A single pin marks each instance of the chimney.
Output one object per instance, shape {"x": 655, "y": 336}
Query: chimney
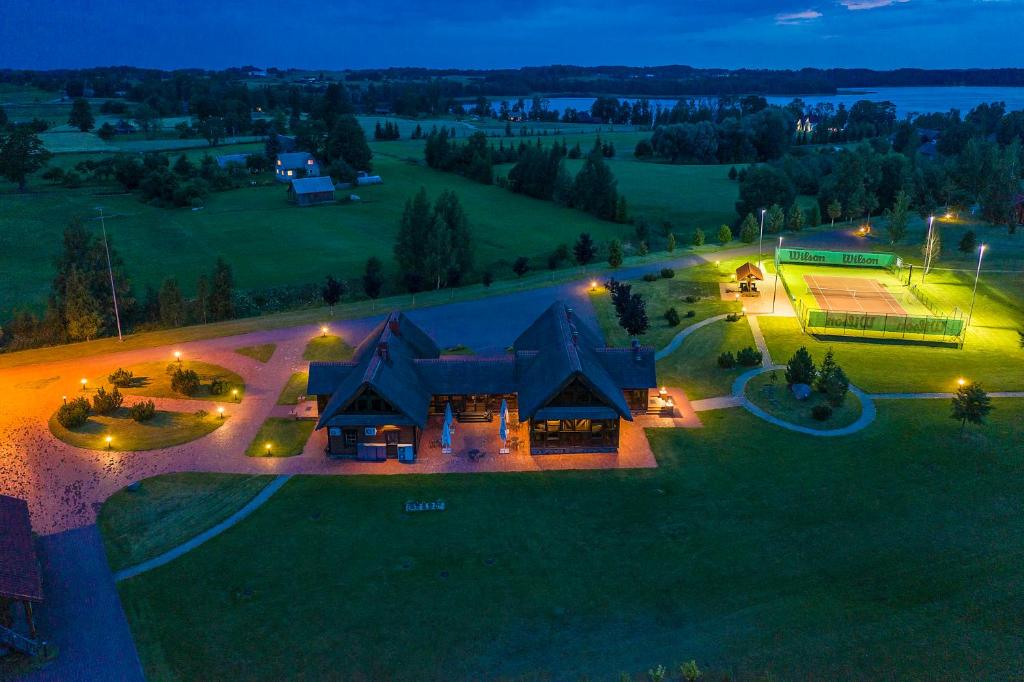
{"x": 568, "y": 313}
{"x": 382, "y": 350}
{"x": 635, "y": 345}
{"x": 575, "y": 337}
{"x": 393, "y": 326}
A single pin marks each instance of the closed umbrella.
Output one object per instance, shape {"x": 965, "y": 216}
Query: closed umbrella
{"x": 446, "y": 437}
{"x": 448, "y": 414}
{"x": 503, "y": 427}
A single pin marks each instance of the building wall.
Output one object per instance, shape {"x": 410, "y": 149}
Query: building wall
{"x": 340, "y": 441}
{"x": 560, "y": 436}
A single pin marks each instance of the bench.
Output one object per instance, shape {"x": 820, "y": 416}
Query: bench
{"x": 475, "y": 417}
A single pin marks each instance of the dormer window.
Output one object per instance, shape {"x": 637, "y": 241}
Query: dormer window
{"x": 279, "y": 162}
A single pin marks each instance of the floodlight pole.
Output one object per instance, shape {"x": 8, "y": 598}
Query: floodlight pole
{"x": 977, "y": 275}
{"x": 775, "y": 291}
{"x": 110, "y": 271}
{"x": 928, "y": 251}
{"x": 760, "y": 241}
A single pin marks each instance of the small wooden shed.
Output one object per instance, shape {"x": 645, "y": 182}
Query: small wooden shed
{"x": 312, "y": 191}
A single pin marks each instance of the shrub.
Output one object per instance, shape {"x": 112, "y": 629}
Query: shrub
{"x": 202, "y": 414}
{"x": 672, "y": 317}
{"x": 749, "y": 356}
{"x": 821, "y": 412}
{"x": 691, "y": 299}
{"x": 732, "y": 317}
{"x": 121, "y": 377}
{"x": 667, "y": 273}
{"x": 73, "y": 413}
{"x": 831, "y": 380}
{"x": 142, "y": 411}
{"x": 800, "y": 368}
{"x": 698, "y": 237}
{"x": 104, "y": 403}
{"x": 185, "y": 381}
{"x": 727, "y": 360}
{"x": 650, "y": 277}
{"x": 218, "y": 386}
{"x": 724, "y": 234}
{"x": 690, "y": 313}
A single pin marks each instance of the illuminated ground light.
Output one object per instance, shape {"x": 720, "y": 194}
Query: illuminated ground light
{"x": 83, "y": 381}
{"x": 220, "y": 412}
{"x": 267, "y": 448}
{"x": 323, "y": 330}
{"x": 109, "y": 440}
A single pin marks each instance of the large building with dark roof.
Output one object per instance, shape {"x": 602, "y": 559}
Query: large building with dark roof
{"x": 559, "y": 378}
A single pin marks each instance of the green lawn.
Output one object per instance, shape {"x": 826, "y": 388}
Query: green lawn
{"x": 153, "y": 379}
{"x": 694, "y": 365}
{"x": 262, "y": 352}
{"x": 162, "y": 431}
{"x": 286, "y": 437}
{"x": 991, "y": 356}
{"x": 295, "y": 387}
{"x": 758, "y": 552}
{"x": 167, "y": 510}
{"x": 327, "y": 348}
{"x": 776, "y": 399}
{"x": 700, "y": 281}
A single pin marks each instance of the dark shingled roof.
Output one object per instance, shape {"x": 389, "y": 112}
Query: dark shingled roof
{"x": 19, "y": 568}
{"x": 320, "y": 183}
{"x": 555, "y": 350}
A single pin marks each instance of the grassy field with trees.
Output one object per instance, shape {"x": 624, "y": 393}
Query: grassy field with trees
{"x": 780, "y": 559}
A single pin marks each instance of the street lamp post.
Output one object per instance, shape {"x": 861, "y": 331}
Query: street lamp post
{"x": 776, "y": 289}
{"x": 760, "y": 240}
{"x": 977, "y": 275}
{"x": 928, "y": 249}
{"x": 110, "y": 271}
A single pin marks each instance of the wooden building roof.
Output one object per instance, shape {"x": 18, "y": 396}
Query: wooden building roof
{"x": 19, "y": 568}
{"x": 749, "y": 270}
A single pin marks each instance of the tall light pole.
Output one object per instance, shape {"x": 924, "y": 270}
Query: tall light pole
{"x": 110, "y": 271}
{"x": 760, "y": 240}
{"x": 928, "y": 249}
{"x": 977, "y": 275}
{"x": 776, "y": 289}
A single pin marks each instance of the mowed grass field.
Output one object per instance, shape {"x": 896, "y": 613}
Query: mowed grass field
{"x": 267, "y": 240}
{"x": 890, "y": 554}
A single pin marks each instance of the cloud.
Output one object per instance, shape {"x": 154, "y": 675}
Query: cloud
{"x": 869, "y": 4}
{"x": 788, "y": 18}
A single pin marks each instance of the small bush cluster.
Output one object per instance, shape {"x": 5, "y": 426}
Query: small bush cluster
{"x": 690, "y": 313}
{"x": 732, "y": 317}
{"x": 748, "y": 357}
{"x": 104, "y": 402}
{"x": 691, "y": 299}
{"x": 821, "y": 412}
{"x": 672, "y": 317}
{"x": 667, "y": 273}
{"x": 218, "y": 386}
{"x": 185, "y": 381}
{"x": 74, "y": 413}
{"x": 650, "y": 277}
{"x": 727, "y": 360}
{"x": 142, "y": 411}
{"x": 121, "y": 378}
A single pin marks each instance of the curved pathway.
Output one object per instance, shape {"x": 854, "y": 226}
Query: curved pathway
{"x": 678, "y": 339}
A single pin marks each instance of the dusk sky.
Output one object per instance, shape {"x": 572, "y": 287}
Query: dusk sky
{"x": 883, "y": 34}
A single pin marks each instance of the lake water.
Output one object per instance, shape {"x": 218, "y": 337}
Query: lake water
{"x": 919, "y": 100}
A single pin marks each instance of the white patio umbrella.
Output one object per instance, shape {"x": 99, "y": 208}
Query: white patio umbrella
{"x": 503, "y": 427}
{"x": 446, "y": 437}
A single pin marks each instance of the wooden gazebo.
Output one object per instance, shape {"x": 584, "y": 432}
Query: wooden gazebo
{"x": 20, "y": 579}
{"x": 746, "y": 274}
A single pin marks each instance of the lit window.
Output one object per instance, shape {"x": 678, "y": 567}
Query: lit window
{"x": 309, "y": 161}
{"x": 279, "y": 162}
{"x": 289, "y": 172}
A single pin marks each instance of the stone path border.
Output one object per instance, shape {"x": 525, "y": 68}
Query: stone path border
{"x": 187, "y": 546}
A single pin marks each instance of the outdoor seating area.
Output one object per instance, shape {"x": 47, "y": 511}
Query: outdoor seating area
{"x": 748, "y": 275}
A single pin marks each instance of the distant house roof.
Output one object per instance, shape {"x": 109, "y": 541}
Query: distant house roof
{"x": 19, "y": 568}
{"x": 322, "y": 183}
{"x": 403, "y": 365}
{"x": 294, "y": 160}
{"x": 226, "y": 159}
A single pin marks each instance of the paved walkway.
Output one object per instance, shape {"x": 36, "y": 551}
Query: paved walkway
{"x": 169, "y": 556}
{"x": 762, "y": 345}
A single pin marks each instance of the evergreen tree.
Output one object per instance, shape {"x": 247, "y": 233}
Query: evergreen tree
{"x": 615, "y": 253}
{"x": 222, "y": 285}
{"x": 373, "y": 277}
{"x": 171, "y": 304}
{"x": 670, "y": 242}
{"x": 521, "y": 266}
{"x": 748, "y": 230}
{"x": 82, "y": 320}
{"x": 896, "y": 217}
{"x": 775, "y": 219}
{"x": 724, "y": 234}
{"x": 968, "y": 242}
{"x": 594, "y": 189}
{"x": 332, "y": 292}
{"x": 81, "y": 115}
{"x": 414, "y": 232}
{"x": 633, "y": 318}
{"x": 202, "y": 301}
{"x": 800, "y": 368}
{"x": 584, "y": 250}
{"x": 814, "y": 215}
{"x": 347, "y": 142}
{"x": 971, "y": 404}
{"x": 457, "y": 238}
{"x": 835, "y": 210}
{"x": 698, "y": 237}
{"x": 795, "y": 219}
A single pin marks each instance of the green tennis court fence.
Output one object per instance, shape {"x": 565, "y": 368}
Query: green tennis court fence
{"x": 844, "y": 258}
{"x": 883, "y": 325}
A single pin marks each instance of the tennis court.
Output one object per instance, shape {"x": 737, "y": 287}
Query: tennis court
{"x": 852, "y": 294}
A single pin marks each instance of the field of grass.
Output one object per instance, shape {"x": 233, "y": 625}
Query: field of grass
{"x": 700, "y": 281}
{"x": 167, "y": 510}
{"x": 153, "y": 379}
{"x": 694, "y": 365}
{"x": 266, "y": 240}
{"x": 776, "y": 399}
{"x": 781, "y": 560}
{"x": 162, "y": 431}
{"x": 286, "y": 437}
{"x": 993, "y": 357}
{"x": 328, "y": 348}
{"x": 295, "y": 387}
{"x": 263, "y": 352}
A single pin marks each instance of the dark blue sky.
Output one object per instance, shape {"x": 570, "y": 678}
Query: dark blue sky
{"x": 491, "y": 33}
